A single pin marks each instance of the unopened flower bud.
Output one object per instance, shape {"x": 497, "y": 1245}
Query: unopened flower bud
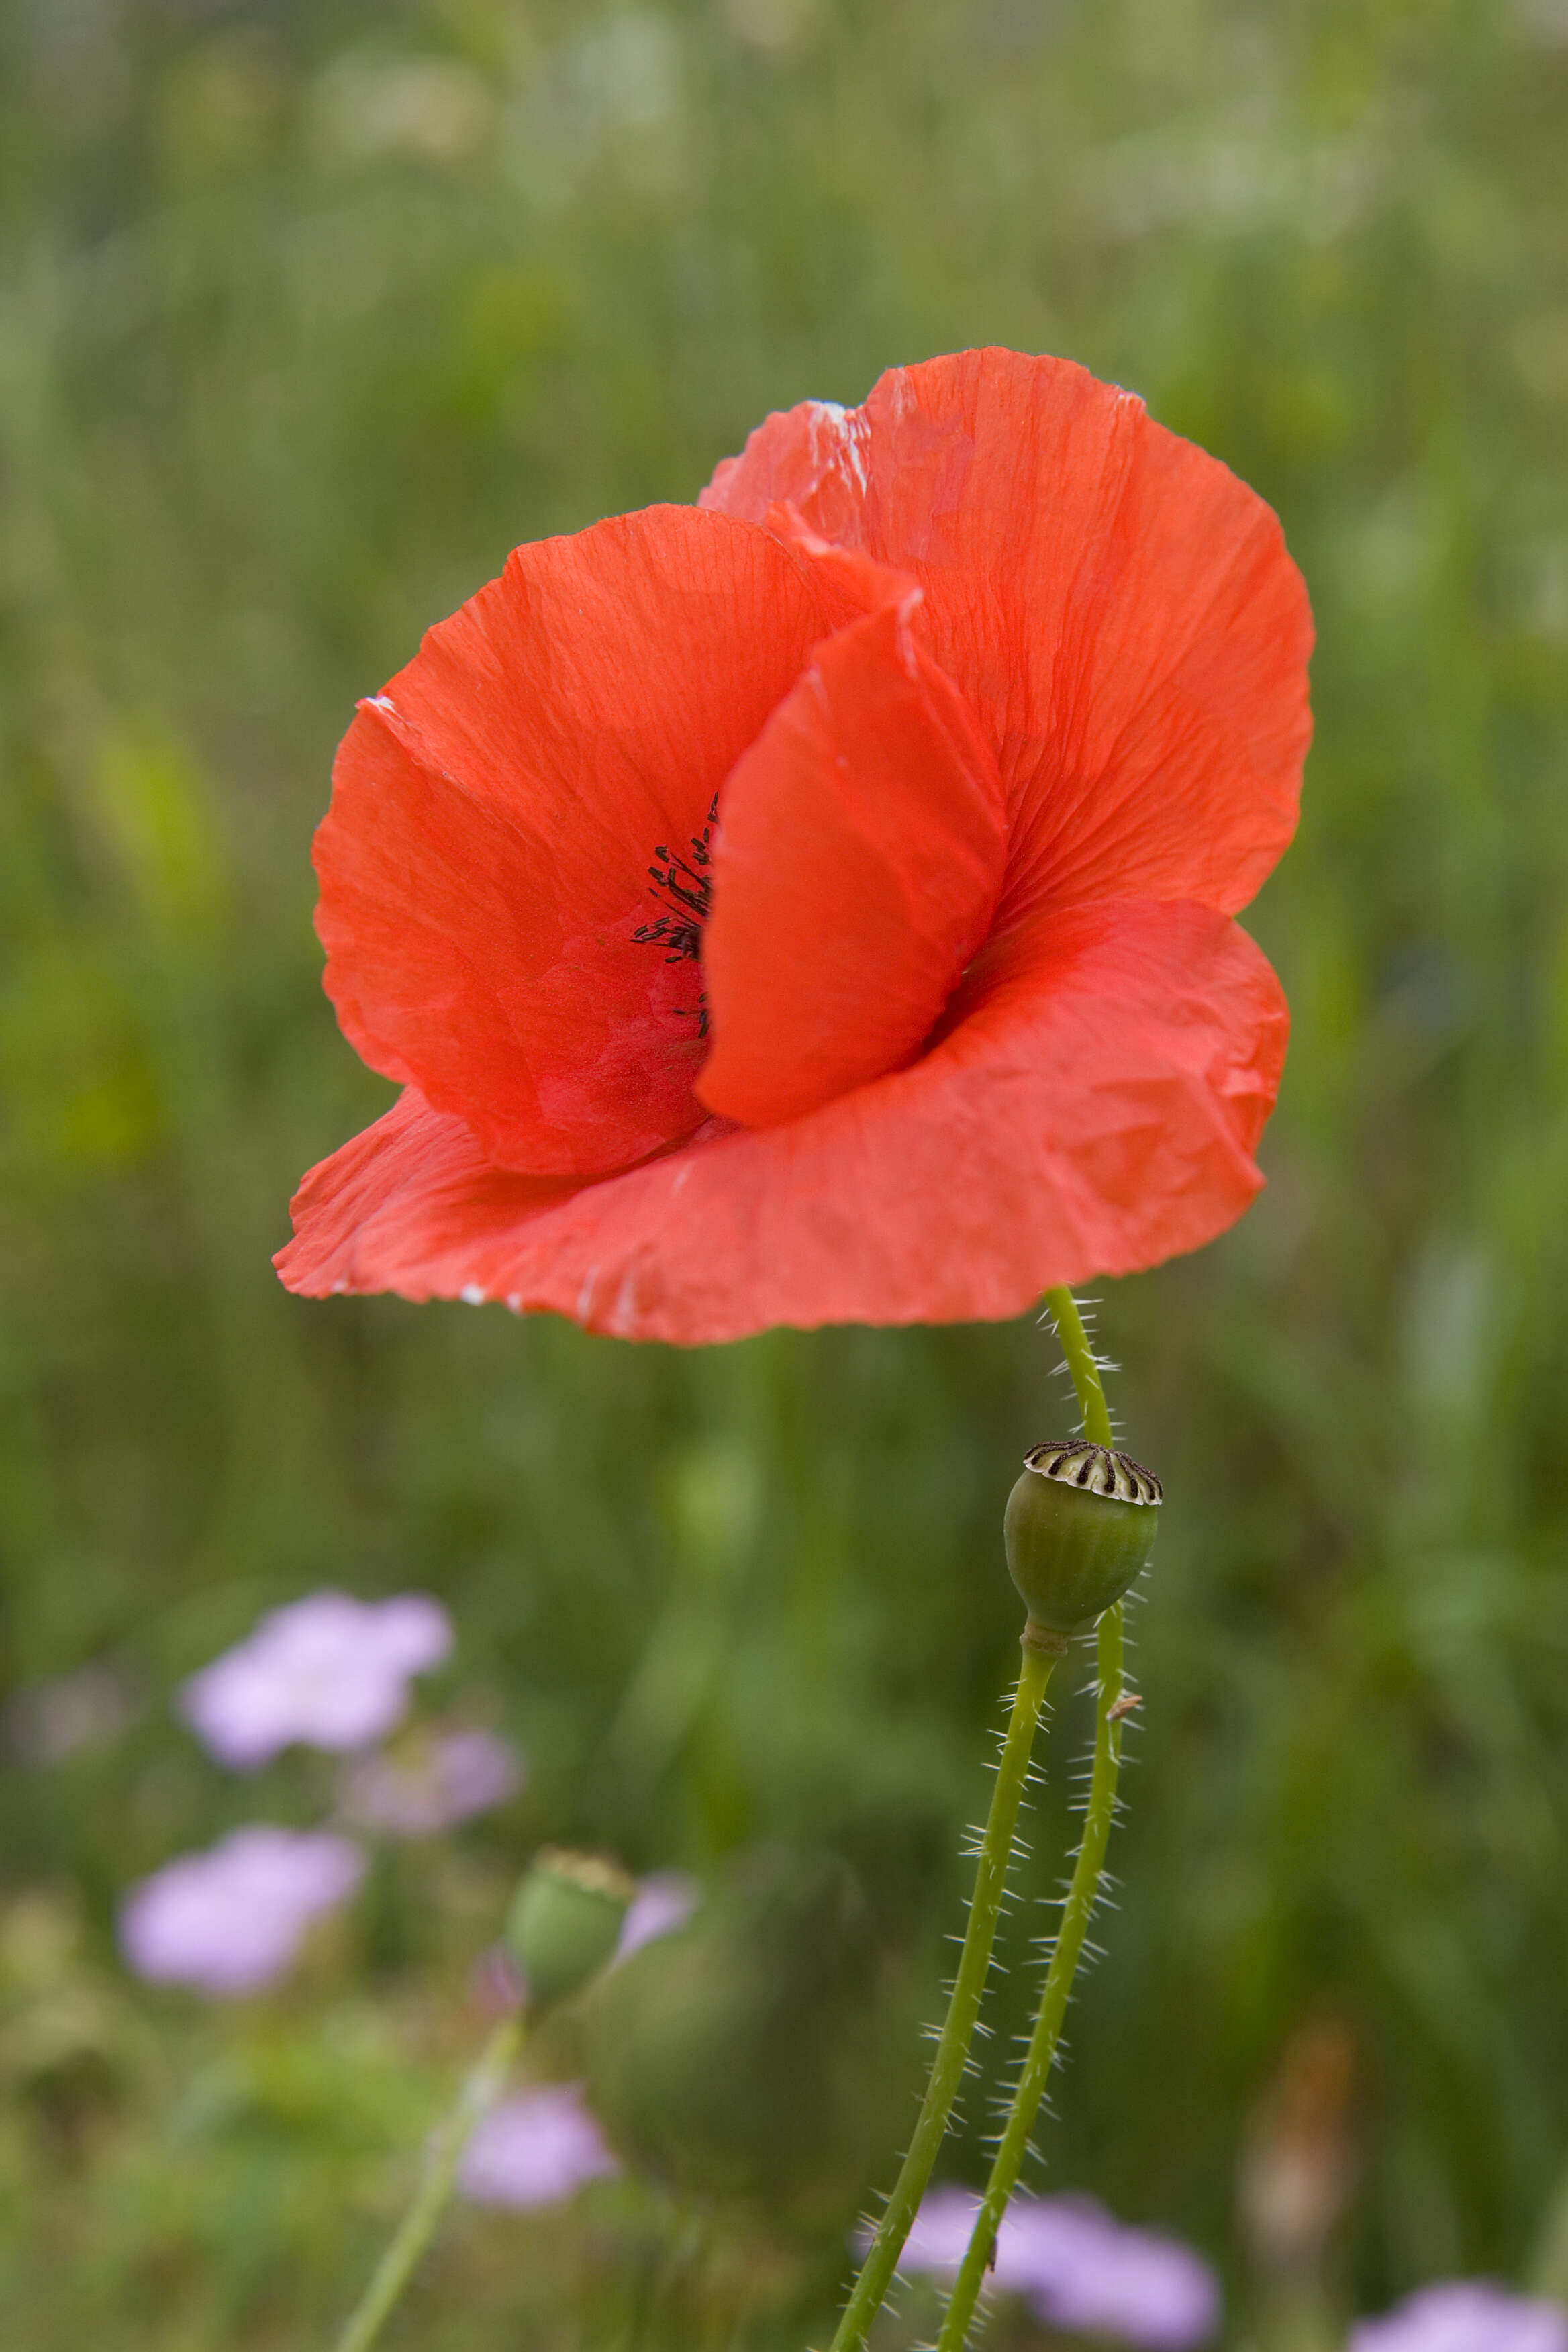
{"x": 565, "y": 1921}
{"x": 1079, "y": 1528}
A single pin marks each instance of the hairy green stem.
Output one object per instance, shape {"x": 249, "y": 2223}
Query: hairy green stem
{"x": 1083, "y": 1891}
{"x": 952, "y": 2045}
{"x": 417, "y": 2228}
{"x": 1077, "y": 1911}
{"x": 1081, "y": 1364}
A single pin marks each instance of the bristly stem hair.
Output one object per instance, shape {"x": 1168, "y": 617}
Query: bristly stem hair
{"x": 995, "y": 1853}
{"x": 1083, "y": 1893}
{"x": 964, "y": 2008}
{"x": 1083, "y": 1364}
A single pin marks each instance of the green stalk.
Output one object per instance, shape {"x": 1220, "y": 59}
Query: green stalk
{"x": 397, "y": 2266}
{"x": 1076, "y": 1912}
{"x": 953, "y": 2046}
{"x": 1083, "y": 1892}
{"x": 1081, "y": 1364}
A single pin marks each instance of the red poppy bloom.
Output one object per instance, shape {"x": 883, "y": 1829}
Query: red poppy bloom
{"x": 815, "y": 905}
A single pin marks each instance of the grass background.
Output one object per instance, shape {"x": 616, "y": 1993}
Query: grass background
{"x": 308, "y": 313}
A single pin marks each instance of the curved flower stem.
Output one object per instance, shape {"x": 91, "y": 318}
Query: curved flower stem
{"x": 1082, "y": 1893}
{"x": 417, "y": 2226}
{"x": 953, "y": 2046}
{"x": 1082, "y": 1365}
{"x": 1040, "y": 2057}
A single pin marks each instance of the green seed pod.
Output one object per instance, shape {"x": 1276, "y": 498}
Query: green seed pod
{"x": 1079, "y": 1527}
{"x": 565, "y": 1921}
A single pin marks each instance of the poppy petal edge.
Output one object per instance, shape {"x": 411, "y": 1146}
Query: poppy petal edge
{"x": 1095, "y": 1113}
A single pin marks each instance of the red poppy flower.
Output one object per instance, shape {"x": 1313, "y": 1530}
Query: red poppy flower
{"x": 815, "y": 905}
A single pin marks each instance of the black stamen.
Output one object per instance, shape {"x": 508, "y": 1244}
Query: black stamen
{"x": 682, "y": 885}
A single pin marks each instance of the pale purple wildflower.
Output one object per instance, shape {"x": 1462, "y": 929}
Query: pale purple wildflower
{"x": 939, "y": 2235}
{"x": 231, "y": 1919}
{"x": 1464, "y": 2315}
{"x": 534, "y": 2149}
{"x": 328, "y": 1670}
{"x": 663, "y": 1902}
{"x": 1083, "y": 2271}
{"x": 431, "y": 1783}
{"x": 1078, "y": 2268}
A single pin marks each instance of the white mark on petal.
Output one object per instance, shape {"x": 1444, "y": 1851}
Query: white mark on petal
{"x": 838, "y": 437}
{"x": 472, "y": 1295}
{"x": 625, "y": 1301}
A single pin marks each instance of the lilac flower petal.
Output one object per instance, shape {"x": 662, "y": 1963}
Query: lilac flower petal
{"x": 329, "y": 1671}
{"x": 663, "y": 1902}
{"x": 1464, "y": 2316}
{"x": 1078, "y": 2268}
{"x": 448, "y": 1777}
{"x": 414, "y": 1631}
{"x": 1043, "y": 2240}
{"x": 1128, "y": 2284}
{"x": 232, "y": 1710}
{"x": 232, "y": 1920}
{"x": 534, "y": 2149}
{"x": 940, "y": 2231}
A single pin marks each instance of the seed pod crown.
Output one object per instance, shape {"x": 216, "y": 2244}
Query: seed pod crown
{"x": 1079, "y": 1528}
{"x": 1096, "y": 1470}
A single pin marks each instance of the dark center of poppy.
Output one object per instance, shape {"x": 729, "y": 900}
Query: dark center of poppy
{"x": 683, "y": 888}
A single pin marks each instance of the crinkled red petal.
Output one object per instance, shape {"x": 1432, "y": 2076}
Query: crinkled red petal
{"x": 484, "y": 866}
{"x": 1093, "y": 1110}
{"x": 856, "y": 872}
{"x": 1116, "y": 608}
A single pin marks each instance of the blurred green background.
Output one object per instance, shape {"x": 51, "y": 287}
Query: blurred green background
{"x": 308, "y": 313}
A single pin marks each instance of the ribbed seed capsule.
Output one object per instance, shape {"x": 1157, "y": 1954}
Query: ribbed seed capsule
{"x": 565, "y": 1921}
{"x": 1079, "y": 1528}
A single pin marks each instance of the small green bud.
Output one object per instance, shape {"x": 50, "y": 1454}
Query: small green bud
{"x": 565, "y": 1921}
{"x": 1079, "y": 1528}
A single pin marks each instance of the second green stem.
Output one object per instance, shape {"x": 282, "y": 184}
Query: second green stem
{"x": 1082, "y": 1893}
{"x": 431, "y": 2197}
{"x": 1040, "y": 2056}
{"x": 952, "y": 2047}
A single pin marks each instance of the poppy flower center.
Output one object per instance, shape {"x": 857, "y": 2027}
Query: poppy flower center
{"x": 683, "y": 889}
